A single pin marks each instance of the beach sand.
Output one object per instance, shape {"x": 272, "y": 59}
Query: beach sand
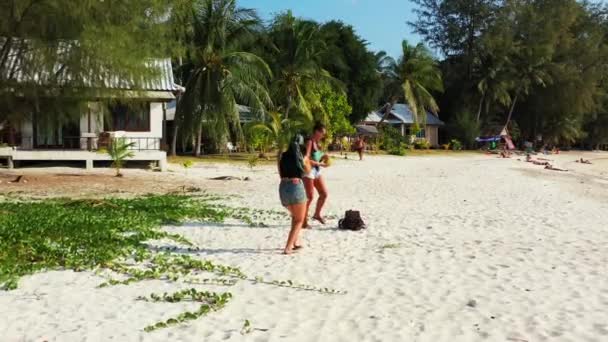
{"x": 458, "y": 248}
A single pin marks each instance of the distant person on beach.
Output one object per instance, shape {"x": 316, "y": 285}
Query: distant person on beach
{"x": 314, "y": 180}
{"x": 359, "y": 146}
{"x": 292, "y": 167}
{"x": 553, "y": 168}
{"x": 535, "y": 162}
{"x": 505, "y": 153}
{"x": 583, "y": 161}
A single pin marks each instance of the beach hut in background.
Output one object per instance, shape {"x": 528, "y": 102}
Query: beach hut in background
{"x": 402, "y": 118}
{"x": 136, "y": 113}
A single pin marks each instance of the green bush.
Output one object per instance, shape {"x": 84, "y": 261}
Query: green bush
{"x": 422, "y": 144}
{"x": 465, "y": 128}
{"x": 400, "y": 150}
{"x": 390, "y": 139}
{"x": 252, "y": 161}
{"x": 258, "y": 140}
{"x": 455, "y": 145}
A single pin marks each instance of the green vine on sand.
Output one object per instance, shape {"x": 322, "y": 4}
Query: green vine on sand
{"x": 211, "y": 301}
{"x": 49, "y": 235}
{"x": 173, "y": 267}
{"x": 293, "y": 285}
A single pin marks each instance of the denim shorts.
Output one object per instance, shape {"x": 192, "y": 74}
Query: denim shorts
{"x": 291, "y": 193}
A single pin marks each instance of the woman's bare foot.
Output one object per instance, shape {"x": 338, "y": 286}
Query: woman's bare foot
{"x": 319, "y": 218}
{"x": 288, "y": 251}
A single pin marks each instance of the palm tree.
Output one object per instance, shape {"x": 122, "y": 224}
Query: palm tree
{"x": 526, "y": 74}
{"x": 494, "y": 87}
{"x": 413, "y": 77}
{"x": 297, "y": 51}
{"x": 280, "y": 129}
{"x": 219, "y": 74}
{"x": 119, "y": 150}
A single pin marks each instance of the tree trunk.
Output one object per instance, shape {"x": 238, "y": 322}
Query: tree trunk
{"x": 511, "y": 110}
{"x": 388, "y": 108}
{"x": 480, "y": 106}
{"x": 288, "y": 107}
{"x": 197, "y": 145}
{"x": 174, "y": 139}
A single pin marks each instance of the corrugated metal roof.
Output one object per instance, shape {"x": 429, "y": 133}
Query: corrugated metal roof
{"x": 21, "y": 69}
{"x": 401, "y": 113}
{"x": 367, "y": 129}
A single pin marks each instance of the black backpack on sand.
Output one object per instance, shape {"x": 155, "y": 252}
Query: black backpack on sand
{"x": 352, "y": 221}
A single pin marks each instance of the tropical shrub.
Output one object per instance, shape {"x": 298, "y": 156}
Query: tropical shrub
{"x": 455, "y": 145}
{"x": 422, "y": 144}
{"x": 399, "y": 150}
{"x": 119, "y": 151}
{"x": 259, "y": 140}
{"x": 465, "y": 128}
{"x": 252, "y": 161}
{"x": 390, "y": 138}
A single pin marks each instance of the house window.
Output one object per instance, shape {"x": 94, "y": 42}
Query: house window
{"x": 131, "y": 117}
{"x": 410, "y": 131}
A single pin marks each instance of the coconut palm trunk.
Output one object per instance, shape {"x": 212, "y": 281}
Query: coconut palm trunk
{"x": 174, "y": 139}
{"x": 483, "y": 96}
{"x": 511, "y": 110}
{"x": 199, "y": 138}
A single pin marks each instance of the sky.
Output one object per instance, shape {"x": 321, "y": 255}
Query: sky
{"x": 382, "y": 23}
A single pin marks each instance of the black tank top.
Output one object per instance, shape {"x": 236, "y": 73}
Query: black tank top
{"x": 291, "y": 164}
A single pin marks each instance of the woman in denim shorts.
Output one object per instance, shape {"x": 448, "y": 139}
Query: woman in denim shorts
{"x": 291, "y": 190}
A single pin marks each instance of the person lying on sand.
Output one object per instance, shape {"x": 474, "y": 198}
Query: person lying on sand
{"x": 583, "y": 161}
{"x": 553, "y": 168}
{"x": 536, "y": 162}
{"x": 230, "y": 178}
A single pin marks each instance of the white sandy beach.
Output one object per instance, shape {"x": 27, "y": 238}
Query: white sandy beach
{"x": 461, "y": 248}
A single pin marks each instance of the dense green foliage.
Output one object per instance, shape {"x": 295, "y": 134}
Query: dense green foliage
{"x": 392, "y": 141}
{"x": 220, "y": 74}
{"x": 538, "y": 67}
{"x": 348, "y": 59}
{"x": 414, "y": 78}
{"x": 67, "y": 53}
{"x": 338, "y": 111}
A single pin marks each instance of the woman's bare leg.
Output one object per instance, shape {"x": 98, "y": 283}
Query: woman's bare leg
{"x": 309, "y": 185}
{"x": 297, "y": 218}
{"x": 319, "y": 184}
